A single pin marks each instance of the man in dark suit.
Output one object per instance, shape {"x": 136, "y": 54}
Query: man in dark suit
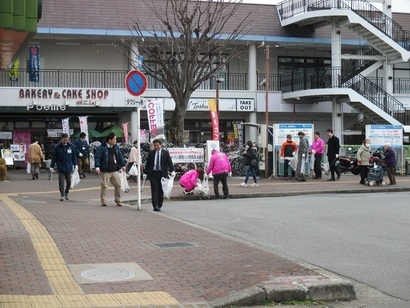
{"x": 158, "y": 164}
{"x": 333, "y": 148}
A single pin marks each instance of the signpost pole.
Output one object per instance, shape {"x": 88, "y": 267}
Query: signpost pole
{"x": 139, "y": 158}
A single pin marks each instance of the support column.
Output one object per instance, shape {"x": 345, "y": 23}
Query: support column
{"x": 337, "y": 107}
{"x": 251, "y": 133}
{"x": 253, "y": 78}
{"x": 133, "y": 56}
{"x": 337, "y": 118}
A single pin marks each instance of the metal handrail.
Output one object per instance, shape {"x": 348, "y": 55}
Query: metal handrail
{"x": 366, "y": 10}
{"x": 112, "y": 79}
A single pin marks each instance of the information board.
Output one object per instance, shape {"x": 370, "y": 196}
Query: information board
{"x": 282, "y": 130}
{"x": 379, "y": 135}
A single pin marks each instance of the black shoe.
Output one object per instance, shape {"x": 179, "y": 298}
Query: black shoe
{"x": 217, "y": 197}
{"x": 84, "y": 176}
{"x": 225, "y": 197}
{"x": 361, "y": 182}
{"x": 36, "y": 175}
{"x": 338, "y": 177}
{"x": 34, "y": 178}
{"x": 331, "y": 179}
{"x": 302, "y": 180}
{"x": 157, "y": 209}
{"x": 317, "y": 178}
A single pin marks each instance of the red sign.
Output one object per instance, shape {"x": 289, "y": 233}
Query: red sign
{"x": 136, "y": 83}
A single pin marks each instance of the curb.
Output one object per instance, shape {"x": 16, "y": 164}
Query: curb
{"x": 330, "y": 290}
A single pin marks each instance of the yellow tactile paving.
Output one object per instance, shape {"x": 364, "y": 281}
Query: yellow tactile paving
{"x": 68, "y": 293}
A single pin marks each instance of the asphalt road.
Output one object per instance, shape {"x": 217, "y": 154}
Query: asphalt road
{"x": 363, "y": 237}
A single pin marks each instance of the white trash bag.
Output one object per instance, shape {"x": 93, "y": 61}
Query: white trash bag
{"x": 293, "y": 162}
{"x": 202, "y": 188}
{"x": 28, "y": 168}
{"x": 133, "y": 170}
{"x": 75, "y": 178}
{"x": 124, "y": 183}
{"x": 167, "y": 185}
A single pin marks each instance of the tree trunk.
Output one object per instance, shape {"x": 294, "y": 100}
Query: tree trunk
{"x": 175, "y": 126}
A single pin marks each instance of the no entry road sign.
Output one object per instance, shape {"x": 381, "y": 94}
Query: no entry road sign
{"x": 136, "y": 83}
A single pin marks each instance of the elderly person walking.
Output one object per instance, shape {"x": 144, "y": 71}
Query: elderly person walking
{"x": 363, "y": 160}
{"x": 35, "y": 157}
{"x": 390, "y": 161}
{"x": 302, "y": 155}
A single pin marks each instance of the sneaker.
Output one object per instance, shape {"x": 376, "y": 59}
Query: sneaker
{"x": 66, "y": 197}
{"x": 186, "y": 192}
{"x": 255, "y": 185}
{"x": 243, "y": 184}
{"x": 62, "y": 198}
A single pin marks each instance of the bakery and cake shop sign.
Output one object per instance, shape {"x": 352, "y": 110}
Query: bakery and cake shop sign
{"x": 77, "y": 94}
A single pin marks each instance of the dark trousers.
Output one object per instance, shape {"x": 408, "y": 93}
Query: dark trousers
{"x": 364, "y": 170}
{"x": 64, "y": 178}
{"x": 157, "y": 194}
{"x": 286, "y": 168}
{"x": 390, "y": 174}
{"x": 333, "y": 169}
{"x": 223, "y": 178}
{"x": 318, "y": 165}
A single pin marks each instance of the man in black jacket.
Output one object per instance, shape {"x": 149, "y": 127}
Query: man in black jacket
{"x": 158, "y": 164}
{"x": 333, "y": 147}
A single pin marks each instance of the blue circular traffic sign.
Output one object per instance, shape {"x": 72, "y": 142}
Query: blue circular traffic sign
{"x": 136, "y": 83}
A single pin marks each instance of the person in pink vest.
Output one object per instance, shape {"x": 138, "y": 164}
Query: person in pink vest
{"x": 189, "y": 179}
{"x": 221, "y": 168}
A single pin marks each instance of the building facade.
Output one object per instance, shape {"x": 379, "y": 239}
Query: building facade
{"x": 332, "y": 66}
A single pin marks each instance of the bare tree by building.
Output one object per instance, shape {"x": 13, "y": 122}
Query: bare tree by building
{"x": 190, "y": 42}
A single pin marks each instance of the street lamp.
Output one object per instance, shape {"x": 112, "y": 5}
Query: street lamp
{"x": 218, "y": 82}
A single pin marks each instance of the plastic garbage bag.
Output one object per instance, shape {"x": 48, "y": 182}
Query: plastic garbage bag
{"x": 167, "y": 185}
{"x": 124, "y": 183}
{"x": 75, "y": 178}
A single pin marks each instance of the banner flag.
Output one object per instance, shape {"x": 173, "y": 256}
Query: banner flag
{"x": 65, "y": 125}
{"x": 125, "y": 130}
{"x": 214, "y": 119}
{"x": 34, "y": 63}
{"x": 84, "y": 127}
{"x": 14, "y": 71}
{"x": 155, "y": 116}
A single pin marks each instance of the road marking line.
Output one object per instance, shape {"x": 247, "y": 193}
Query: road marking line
{"x": 67, "y": 293}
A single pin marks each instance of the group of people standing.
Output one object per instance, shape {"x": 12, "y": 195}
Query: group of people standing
{"x": 289, "y": 148}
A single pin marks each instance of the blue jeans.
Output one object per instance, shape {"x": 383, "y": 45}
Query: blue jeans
{"x": 251, "y": 170}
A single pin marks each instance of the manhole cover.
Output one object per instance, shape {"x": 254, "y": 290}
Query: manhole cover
{"x": 107, "y": 274}
{"x": 174, "y": 244}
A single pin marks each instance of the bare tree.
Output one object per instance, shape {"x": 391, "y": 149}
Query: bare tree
{"x": 188, "y": 43}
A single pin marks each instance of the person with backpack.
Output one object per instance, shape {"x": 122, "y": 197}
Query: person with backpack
{"x": 252, "y": 160}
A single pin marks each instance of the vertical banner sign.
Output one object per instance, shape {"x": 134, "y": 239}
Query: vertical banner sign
{"x": 125, "y": 130}
{"x": 66, "y": 126}
{"x": 214, "y": 119}
{"x": 240, "y": 134}
{"x": 14, "y": 71}
{"x": 84, "y": 126}
{"x": 34, "y": 63}
{"x": 155, "y": 118}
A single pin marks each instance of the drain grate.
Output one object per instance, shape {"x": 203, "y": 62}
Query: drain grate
{"x": 174, "y": 244}
{"x": 107, "y": 274}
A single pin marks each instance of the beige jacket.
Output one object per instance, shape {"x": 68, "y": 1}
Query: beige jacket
{"x": 35, "y": 155}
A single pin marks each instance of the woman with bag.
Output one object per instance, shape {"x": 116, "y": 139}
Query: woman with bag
{"x": 132, "y": 161}
{"x": 189, "y": 180}
{"x": 251, "y": 160}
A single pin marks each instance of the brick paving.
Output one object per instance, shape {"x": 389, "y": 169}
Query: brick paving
{"x": 85, "y": 232}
